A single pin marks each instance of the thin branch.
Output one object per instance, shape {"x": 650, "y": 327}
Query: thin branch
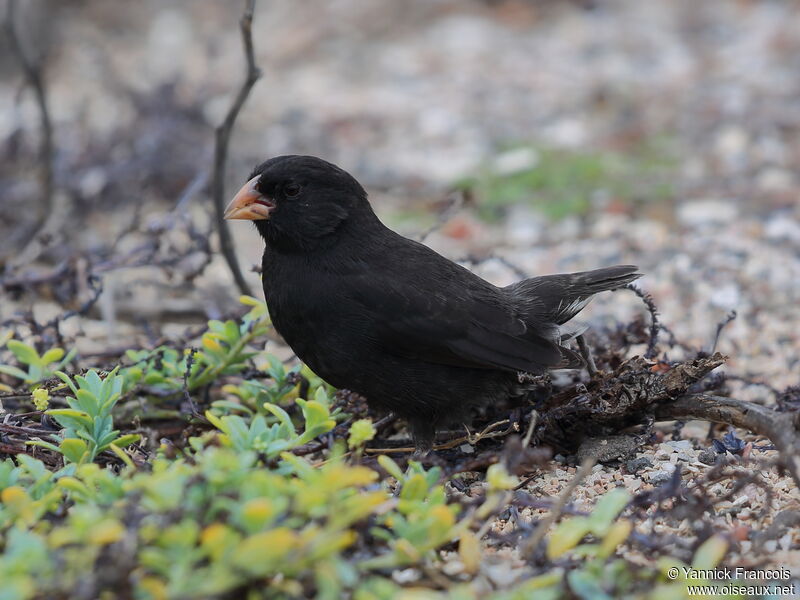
{"x": 490, "y": 431}
{"x": 655, "y": 325}
{"x": 34, "y": 78}
{"x": 720, "y": 326}
{"x": 186, "y": 373}
{"x": 223, "y": 135}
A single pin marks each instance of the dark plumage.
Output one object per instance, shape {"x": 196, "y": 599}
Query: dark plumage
{"x": 389, "y": 318}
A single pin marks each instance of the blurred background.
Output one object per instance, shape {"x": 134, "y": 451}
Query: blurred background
{"x": 517, "y": 136}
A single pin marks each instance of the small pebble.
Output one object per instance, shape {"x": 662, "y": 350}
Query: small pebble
{"x": 707, "y": 456}
{"x": 658, "y": 477}
{"x": 637, "y": 464}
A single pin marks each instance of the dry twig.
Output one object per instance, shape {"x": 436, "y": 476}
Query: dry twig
{"x": 34, "y": 78}
{"x": 655, "y": 325}
{"x": 223, "y": 135}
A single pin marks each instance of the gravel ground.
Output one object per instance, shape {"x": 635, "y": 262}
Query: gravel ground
{"x": 411, "y": 96}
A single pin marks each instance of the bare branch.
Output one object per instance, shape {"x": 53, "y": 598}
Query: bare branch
{"x": 223, "y": 135}
{"x": 720, "y": 326}
{"x": 33, "y": 75}
{"x": 655, "y": 324}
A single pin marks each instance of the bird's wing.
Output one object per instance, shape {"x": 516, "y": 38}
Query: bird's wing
{"x": 454, "y": 317}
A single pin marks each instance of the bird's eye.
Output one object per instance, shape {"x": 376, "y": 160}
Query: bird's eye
{"x": 291, "y": 190}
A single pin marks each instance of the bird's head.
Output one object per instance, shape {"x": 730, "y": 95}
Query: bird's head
{"x": 298, "y": 202}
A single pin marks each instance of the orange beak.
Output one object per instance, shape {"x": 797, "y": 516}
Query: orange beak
{"x": 249, "y": 204}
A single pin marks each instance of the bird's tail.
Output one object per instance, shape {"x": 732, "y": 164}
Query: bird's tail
{"x": 558, "y": 298}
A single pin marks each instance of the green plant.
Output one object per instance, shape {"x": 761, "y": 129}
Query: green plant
{"x": 559, "y": 183}
{"x": 361, "y": 431}
{"x": 39, "y": 367}
{"x": 88, "y": 422}
{"x": 281, "y": 435}
{"x": 224, "y": 351}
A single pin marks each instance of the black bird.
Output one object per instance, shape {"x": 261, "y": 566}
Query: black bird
{"x": 387, "y": 317}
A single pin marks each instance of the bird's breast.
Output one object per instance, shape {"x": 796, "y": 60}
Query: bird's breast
{"x": 315, "y": 318}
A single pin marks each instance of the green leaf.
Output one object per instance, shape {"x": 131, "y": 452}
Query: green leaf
{"x": 710, "y": 552}
{"x": 110, "y": 385}
{"x": 606, "y": 510}
{"x": 587, "y": 586}
{"x": 24, "y": 353}
{"x": 126, "y": 440}
{"x": 215, "y": 421}
{"x": 74, "y": 450}
{"x": 35, "y": 372}
{"x": 14, "y": 372}
{"x": 153, "y": 378}
{"x": 65, "y": 378}
{"x": 361, "y": 432}
{"x": 314, "y": 413}
{"x": 93, "y": 382}
{"x": 322, "y": 397}
{"x": 237, "y": 430}
{"x": 74, "y": 419}
{"x": 122, "y": 455}
{"x": 68, "y": 358}
{"x": 390, "y": 467}
{"x": 282, "y": 415}
{"x": 87, "y": 402}
{"x": 567, "y": 535}
{"x": 52, "y": 355}
{"x": 231, "y": 331}
{"x": 414, "y": 488}
{"x": 43, "y": 444}
{"x": 231, "y": 406}
{"x": 105, "y": 439}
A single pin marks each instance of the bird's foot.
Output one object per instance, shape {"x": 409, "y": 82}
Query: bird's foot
{"x": 420, "y": 454}
{"x": 422, "y": 448}
{"x": 586, "y": 354}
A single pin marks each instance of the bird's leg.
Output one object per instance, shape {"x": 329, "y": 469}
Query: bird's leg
{"x": 587, "y": 355}
{"x": 422, "y": 433}
{"x": 420, "y": 453}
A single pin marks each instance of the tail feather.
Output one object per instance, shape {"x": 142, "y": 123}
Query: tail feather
{"x": 570, "y": 359}
{"x": 558, "y": 298}
{"x": 552, "y": 300}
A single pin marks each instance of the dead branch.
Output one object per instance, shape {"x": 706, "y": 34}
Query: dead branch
{"x": 655, "y": 325}
{"x": 33, "y": 75}
{"x": 615, "y": 400}
{"x": 490, "y": 431}
{"x": 720, "y": 326}
{"x": 781, "y": 429}
{"x": 13, "y": 450}
{"x": 223, "y": 135}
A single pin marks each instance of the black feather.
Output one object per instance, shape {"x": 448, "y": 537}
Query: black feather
{"x": 387, "y": 317}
